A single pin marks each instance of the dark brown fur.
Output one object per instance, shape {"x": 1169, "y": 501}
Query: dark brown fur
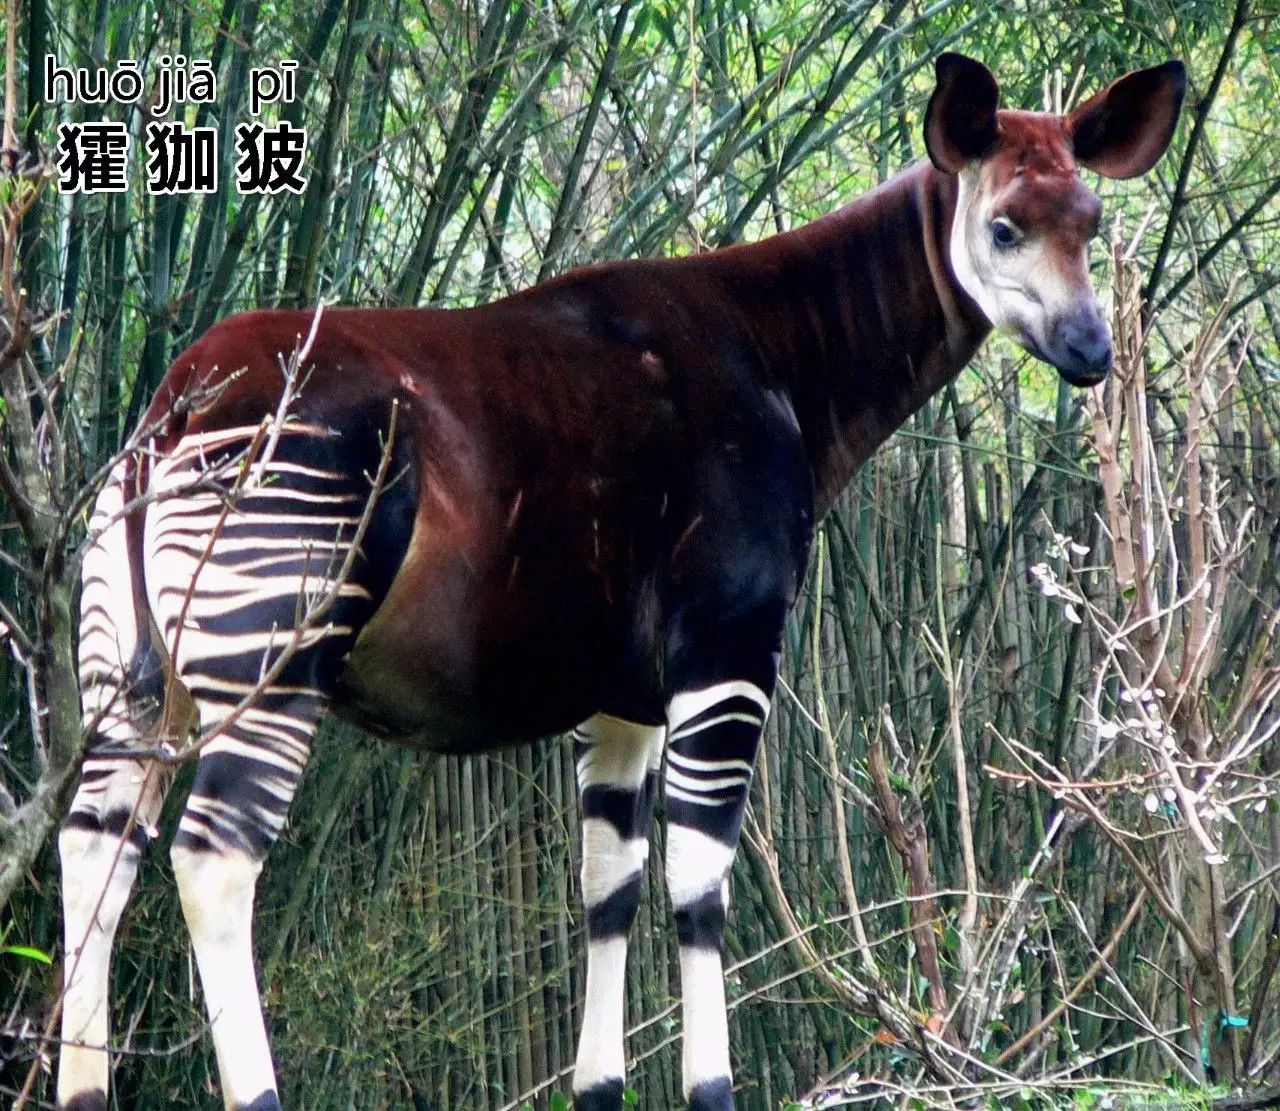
{"x": 558, "y": 440}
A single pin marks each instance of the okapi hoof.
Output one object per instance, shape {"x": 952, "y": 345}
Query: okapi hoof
{"x": 85, "y": 1101}
{"x": 712, "y": 1095}
{"x": 267, "y": 1101}
{"x": 605, "y": 1096}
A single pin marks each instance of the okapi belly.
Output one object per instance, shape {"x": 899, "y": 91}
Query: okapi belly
{"x": 416, "y": 712}
{"x": 406, "y": 706}
{"x": 463, "y": 655}
{"x": 455, "y": 684}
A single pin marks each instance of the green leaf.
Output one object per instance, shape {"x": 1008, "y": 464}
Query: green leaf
{"x": 630, "y": 1097}
{"x": 394, "y": 31}
{"x": 27, "y": 951}
{"x": 559, "y": 1102}
{"x": 666, "y": 26}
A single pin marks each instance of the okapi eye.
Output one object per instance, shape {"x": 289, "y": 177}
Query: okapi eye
{"x": 1004, "y": 235}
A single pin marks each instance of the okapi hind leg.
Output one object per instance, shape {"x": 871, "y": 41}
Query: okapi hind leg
{"x": 618, "y": 765}
{"x": 100, "y": 846}
{"x": 244, "y": 783}
{"x": 231, "y": 590}
{"x": 116, "y": 805}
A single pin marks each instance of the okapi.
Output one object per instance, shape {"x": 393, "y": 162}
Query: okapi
{"x": 602, "y": 496}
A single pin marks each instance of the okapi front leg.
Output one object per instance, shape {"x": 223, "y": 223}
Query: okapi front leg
{"x": 712, "y": 740}
{"x": 617, "y": 777}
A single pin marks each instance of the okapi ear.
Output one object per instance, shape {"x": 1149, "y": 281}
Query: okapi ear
{"x": 960, "y": 122}
{"x": 1123, "y": 130}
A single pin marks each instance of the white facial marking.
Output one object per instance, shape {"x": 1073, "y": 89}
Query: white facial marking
{"x": 1020, "y": 288}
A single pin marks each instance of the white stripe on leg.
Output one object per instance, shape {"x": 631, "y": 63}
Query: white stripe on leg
{"x": 616, "y": 776}
{"x": 600, "y": 1047}
{"x": 609, "y": 862}
{"x": 714, "y": 733}
{"x": 98, "y": 870}
{"x": 697, "y": 877}
{"x": 217, "y": 899}
{"x": 706, "y": 1022}
{"x": 95, "y": 890}
{"x": 689, "y": 704}
{"x": 696, "y": 864}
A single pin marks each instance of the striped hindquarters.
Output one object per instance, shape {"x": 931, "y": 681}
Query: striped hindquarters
{"x": 257, "y": 592}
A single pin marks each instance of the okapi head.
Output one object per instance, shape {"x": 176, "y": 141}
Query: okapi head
{"x": 1023, "y": 221}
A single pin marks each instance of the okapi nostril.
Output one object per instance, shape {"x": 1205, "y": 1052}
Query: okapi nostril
{"x": 1090, "y": 351}
{"x": 1086, "y": 342}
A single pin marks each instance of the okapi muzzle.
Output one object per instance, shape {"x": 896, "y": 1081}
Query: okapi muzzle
{"x": 1080, "y": 344}
{"x": 1024, "y": 219}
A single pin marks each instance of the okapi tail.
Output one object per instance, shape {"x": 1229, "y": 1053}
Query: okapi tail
{"x": 123, "y": 664}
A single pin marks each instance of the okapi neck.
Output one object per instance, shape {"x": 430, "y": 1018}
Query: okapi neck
{"x": 863, "y": 320}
